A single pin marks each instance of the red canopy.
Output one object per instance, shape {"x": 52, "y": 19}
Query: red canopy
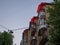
{"x": 33, "y": 19}
{"x": 40, "y": 6}
{"x": 24, "y": 31}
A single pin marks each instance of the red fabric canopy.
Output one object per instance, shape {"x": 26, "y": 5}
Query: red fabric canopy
{"x": 33, "y": 19}
{"x": 40, "y": 6}
{"x": 24, "y": 31}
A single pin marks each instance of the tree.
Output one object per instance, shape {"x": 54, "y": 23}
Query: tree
{"x": 54, "y": 21}
{"x": 6, "y": 38}
{"x": 1, "y": 38}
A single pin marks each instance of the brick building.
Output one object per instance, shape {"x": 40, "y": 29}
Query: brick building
{"x": 37, "y": 34}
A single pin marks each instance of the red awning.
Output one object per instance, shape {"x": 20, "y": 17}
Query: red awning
{"x": 33, "y": 19}
{"x": 40, "y": 6}
{"x": 24, "y": 31}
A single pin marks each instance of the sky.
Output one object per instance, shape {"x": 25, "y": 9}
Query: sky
{"x": 16, "y": 14}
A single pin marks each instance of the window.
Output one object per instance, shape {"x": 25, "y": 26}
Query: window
{"x": 42, "y": 21}
{"x": 33, "y": 32}
{"x": 33, "y": 41}
{"x": 43, "y": 41}
{"x": 33, "y": 25}
{"x": 42, "y": 12}
{"x": 42, "y": 16}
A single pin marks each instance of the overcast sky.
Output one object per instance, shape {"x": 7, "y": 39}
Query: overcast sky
{"x": 16, "y": 14}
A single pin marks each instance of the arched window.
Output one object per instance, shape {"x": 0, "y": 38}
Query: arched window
{"x": 43, "y": 41}
{"x": 42, "y": 31}
{"x": 33, "y": 25}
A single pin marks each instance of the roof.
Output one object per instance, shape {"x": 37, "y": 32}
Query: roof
{"x": 41, "y": 5}
{"x": 33, "y": 19}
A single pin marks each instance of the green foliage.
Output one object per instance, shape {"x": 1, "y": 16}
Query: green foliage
{"x": 6, "y": 38}
{"x": 54, "y": 21}
{"x": 1, "y": 38}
